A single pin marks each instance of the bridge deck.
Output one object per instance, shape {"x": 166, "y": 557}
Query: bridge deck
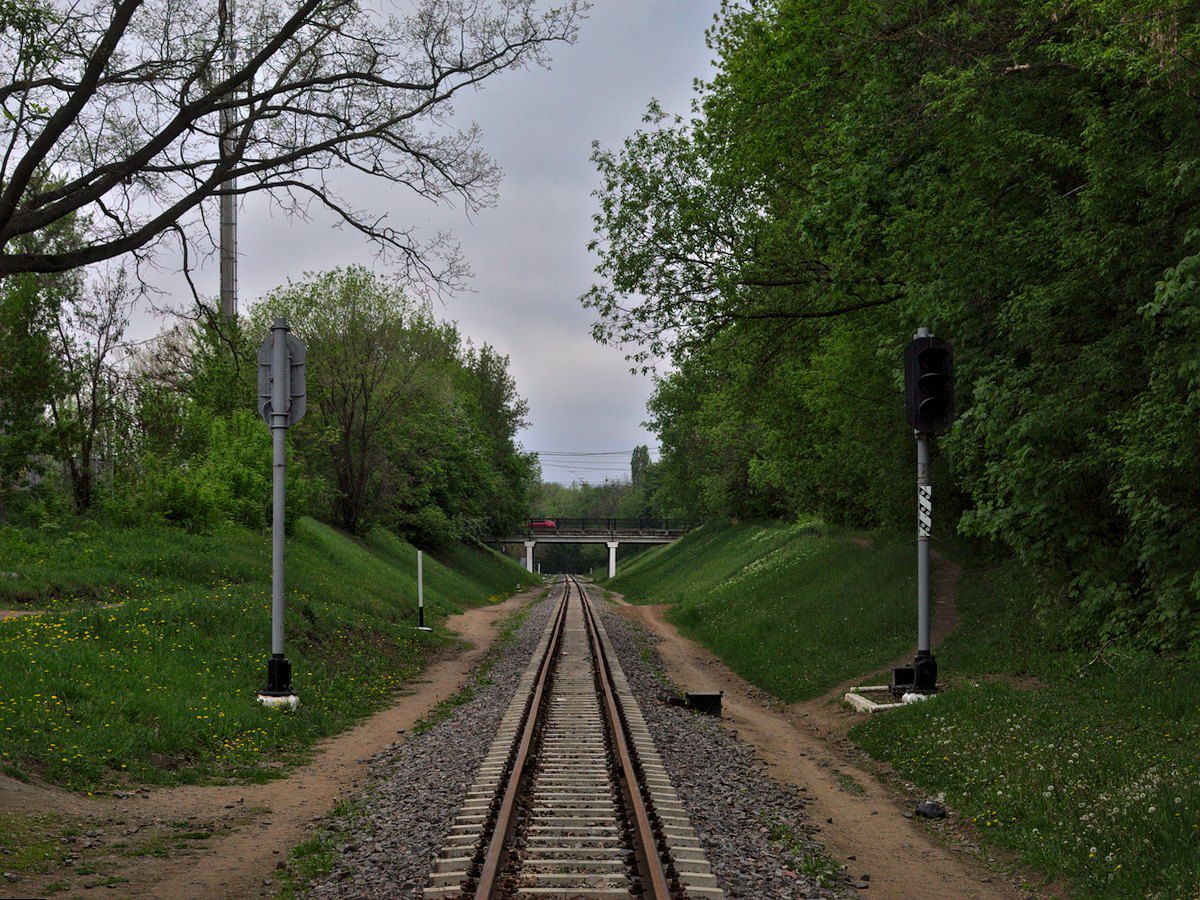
{"x": 593, "y": 537}
{"x": 558, "y": 530}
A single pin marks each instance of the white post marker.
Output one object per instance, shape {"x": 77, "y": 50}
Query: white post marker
{"x": 281, "y": 402}
{"x": 421, "y": 592}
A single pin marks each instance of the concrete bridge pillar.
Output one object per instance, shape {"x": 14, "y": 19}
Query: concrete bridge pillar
{"x": 529, "y": 545}
{"x": 612, "y": 557}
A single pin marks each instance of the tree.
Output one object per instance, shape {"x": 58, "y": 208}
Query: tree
{"x": 371, "y": 349}
{"x": 27, "y": 306}
{"x": 639, "y": 463}
{"x": 1019, "y": 177}
{"x": 123, "y": 103}
{"x": 87, "y": 331}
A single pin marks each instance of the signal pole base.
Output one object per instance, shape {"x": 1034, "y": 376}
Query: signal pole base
{"x": 422, "y": 628}
{"x": 919, "y": 678}
{"x": 278, "y": 693}
{"x": 276, "y": 701}
{"x": 925, "y": 673}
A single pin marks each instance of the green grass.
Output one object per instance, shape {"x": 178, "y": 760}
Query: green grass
{"x": 1085, "y": 766}
{"x": 795, "y": 609}
{"x": 28, "y": 843}
{"x": 314, "y": 858}
{"x": 155, "y": 642}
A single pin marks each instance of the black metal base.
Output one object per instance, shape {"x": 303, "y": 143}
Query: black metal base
{"x": 925, "y": 673}
{"x": 919, "y": 678}
{"x": 279, "y": 677}
{"x": 704, "y": 701}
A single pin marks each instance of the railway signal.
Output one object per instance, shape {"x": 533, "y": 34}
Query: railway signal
{"x": 929, "y": 405}
{"x": 281, "y": 403}
{"x": 929, "y": 383}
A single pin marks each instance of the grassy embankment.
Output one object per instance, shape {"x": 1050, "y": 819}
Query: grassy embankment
{"x": 794, "y": 609}
{"x": 1087, "y": 767}
{"x": 144, "y": 666}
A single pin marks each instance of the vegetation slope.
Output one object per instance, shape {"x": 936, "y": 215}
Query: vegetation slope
{"x": 1082, "y": 764}
{"x": 144, "y": 665}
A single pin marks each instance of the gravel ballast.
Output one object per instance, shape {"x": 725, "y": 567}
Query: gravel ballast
{"x": 385, "y": 846}
{"x": 735, "y": 807}
{"x": 754, "y": 830}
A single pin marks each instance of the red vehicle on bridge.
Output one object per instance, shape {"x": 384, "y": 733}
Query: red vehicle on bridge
{"x": 544, "y": 523}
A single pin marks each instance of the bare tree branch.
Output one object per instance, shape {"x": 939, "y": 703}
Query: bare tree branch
{"x": 112, "y": 113}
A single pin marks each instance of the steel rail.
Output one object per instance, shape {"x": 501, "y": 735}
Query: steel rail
{"x": 505, "y": 817}
{"x": 648, "y": 853}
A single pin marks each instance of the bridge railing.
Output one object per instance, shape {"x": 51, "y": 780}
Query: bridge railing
{"x": 593, "y": 525}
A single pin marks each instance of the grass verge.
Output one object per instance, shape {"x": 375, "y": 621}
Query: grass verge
{"x": 795, "y": 609}
{"x": 145, "y": 664}
{"x": 1085, "y": 767}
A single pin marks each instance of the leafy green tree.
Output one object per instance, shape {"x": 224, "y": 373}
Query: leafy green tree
{"x": 1019, "y": 177}
{"x": 410, "y": 428}
{"x": 27, "y": 305}
{"x": 639, "y": 464}
{"x": 374, "y": 357}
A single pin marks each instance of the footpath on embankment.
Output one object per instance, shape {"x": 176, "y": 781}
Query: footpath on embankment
{"x": 863, "y": 821}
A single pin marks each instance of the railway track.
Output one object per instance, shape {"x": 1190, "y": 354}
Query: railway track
{"x": 572, "y": 800}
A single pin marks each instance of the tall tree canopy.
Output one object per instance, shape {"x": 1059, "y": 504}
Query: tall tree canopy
{"x": 1019, "y": 176}
{"x": 126, "y": 103}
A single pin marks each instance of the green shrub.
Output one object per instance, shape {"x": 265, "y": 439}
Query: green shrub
{"x": 228, "y": 483}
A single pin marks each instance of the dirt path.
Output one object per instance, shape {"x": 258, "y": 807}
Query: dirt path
{"x": 862, "y": 820}
{"x": 249, "y": 828}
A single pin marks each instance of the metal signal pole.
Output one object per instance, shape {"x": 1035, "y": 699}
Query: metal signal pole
{"x": 281, "y": 403}
{"x": 924, "y": 528}
{"x": 929, "y": 407}
{"x": 229, "y": 185}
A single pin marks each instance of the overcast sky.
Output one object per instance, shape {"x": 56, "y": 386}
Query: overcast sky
{"x": 529, "y": 253}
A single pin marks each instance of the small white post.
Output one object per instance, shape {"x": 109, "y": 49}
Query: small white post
{"x": 421, "y": 592}
{"x": 612, "y": 557}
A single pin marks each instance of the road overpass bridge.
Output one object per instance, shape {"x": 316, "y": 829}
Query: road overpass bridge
{"x": 613, "y": 532}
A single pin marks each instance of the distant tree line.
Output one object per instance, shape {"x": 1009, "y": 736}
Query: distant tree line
{"x": 1022, "y": 177}
{"x": 409, "y": 426}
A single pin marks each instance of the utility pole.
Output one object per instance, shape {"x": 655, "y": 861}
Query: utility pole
{"x": 229, "y": 185}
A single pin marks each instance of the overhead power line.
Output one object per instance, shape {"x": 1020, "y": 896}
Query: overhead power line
{"x": 573, "y": 453}
{"x": 585, "y": 467}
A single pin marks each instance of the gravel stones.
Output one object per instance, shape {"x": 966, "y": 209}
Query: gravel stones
{"x": 387, "y": 842}
{"x": 737, "y": 810}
